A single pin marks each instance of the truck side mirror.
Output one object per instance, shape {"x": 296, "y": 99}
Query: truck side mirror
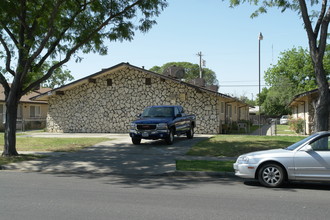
{"x": 178, "y": 115}
{"x": 138, "y": 115}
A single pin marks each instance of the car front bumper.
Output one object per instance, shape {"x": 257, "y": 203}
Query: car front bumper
{"x": 245, "y": 170}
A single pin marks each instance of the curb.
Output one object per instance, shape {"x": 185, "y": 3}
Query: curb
{"x": 198, "y": 174}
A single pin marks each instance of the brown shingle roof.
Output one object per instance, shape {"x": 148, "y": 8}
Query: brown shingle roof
{"x": 26, "y": 98}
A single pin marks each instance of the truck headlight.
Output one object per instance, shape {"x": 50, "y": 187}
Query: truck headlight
{"x": 162, "y": 126}
{"x": 133, "y": 126}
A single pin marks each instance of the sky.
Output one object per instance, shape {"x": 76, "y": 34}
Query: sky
{"x": 227, "y": 38}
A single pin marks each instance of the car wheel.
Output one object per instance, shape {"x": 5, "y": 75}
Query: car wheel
{"x": 136, "y": 141}
{"x": 169, "y": 140}
{"x": 190, "y": 133}
{"x": 271, "y": 175}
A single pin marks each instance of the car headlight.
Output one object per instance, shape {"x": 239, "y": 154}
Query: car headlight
{"x": 133, "y": 126}
{"x": 162, "y": 126}
{"x": 243, "y": 159}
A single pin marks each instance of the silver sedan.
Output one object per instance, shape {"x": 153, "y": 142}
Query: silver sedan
{"x": 306, "y": 160}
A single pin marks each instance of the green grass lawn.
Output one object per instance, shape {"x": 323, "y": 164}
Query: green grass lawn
{"x": 55, "y": 144}
{"x": 284, "y": 130}
{"x": 231, "y": 146}
{"x": 235, "y": 145}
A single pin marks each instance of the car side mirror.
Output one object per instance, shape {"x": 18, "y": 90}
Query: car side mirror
{"x": 178, "y": 115}
{"x": 308, "y": 148}
{"x": 138, "y": 115}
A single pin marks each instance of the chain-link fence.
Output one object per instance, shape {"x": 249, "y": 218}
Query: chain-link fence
{"x": 27, "y": 124}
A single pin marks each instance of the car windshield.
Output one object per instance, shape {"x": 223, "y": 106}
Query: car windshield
{"x": 297, "y": 144}
{"x": 155, "y": 112}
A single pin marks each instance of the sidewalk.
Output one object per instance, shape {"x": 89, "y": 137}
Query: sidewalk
{"x": 264, "y": 130}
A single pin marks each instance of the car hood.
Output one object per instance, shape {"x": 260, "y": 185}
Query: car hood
{"x": 270, "y": 153}
{"x": 152, "y": 120}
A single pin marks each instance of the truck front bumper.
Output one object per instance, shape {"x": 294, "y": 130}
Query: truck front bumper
{"x": 153, "y": 134}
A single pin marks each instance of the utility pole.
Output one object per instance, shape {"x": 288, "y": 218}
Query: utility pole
{"x": 200, "y": 64}
{"x": 260, "y": 38}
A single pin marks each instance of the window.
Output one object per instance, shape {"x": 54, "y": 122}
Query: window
{"x": 35, "y": 111}
{"x": 176, "y": 111}
{"x": 109, "y": 82}
{"x": 19, "y": 110}
{"x": 148, "y": 81}
{"x": 229, "y": 110}
{"x": 222, "y": 107}
{"x": 322, "y": 144}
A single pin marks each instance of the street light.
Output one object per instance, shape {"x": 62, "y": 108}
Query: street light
{"x": 260, "y": 38}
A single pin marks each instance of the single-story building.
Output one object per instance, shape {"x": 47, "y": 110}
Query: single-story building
{"x": 31, "y": 114}
{"x": 302, "y": 107}
{"x": 110, "y": 99}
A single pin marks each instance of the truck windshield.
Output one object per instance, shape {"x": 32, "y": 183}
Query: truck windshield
{"x": 158, "y": 112}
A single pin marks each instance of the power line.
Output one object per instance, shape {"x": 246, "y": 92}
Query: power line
{"x": 240, "y": 85}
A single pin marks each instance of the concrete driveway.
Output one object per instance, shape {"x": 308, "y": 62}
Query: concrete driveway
{"x": 116, "y": 156}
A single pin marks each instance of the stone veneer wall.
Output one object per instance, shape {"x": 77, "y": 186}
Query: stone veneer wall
{"x": 99, "y": 108}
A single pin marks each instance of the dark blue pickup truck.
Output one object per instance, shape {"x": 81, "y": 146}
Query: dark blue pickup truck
{"x": 162, "y": 122}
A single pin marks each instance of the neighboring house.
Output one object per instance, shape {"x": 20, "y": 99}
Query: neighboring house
{"x": 31, "y": 114}
{"x": 302, "y": 107}
{"x": 109, "y": 100}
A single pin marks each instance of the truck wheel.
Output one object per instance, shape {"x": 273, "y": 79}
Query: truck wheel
{"x": 169, "y": 140}
{"x": 136, "y": 141}
{"x": 190, "y": 133}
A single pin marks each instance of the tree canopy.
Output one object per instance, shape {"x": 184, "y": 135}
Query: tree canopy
{"x": 294, "y": 66}
{"x": 191, "y": 71}
{"x": 34, "y": 34}
{"x": 293, "y": 74}
{"x": 58, "y": 78}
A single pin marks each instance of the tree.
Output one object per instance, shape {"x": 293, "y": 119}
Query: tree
{"x": 191, "y": 71}
{"x": 246, "y": 100}
{"x": 276, "y": 101}
{"x": 317, "y": 41}
{"x": 33, "y": 33}
{"x": 58, "y": 78}
{"x": 293, "y": 74}
{"x": 294, "y": 66}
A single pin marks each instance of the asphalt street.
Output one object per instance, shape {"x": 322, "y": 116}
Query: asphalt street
{"x": 39, "y": 196}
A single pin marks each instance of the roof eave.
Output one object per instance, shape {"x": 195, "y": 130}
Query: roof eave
{"x": 45, "y": 96}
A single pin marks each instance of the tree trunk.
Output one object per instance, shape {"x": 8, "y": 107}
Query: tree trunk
{"x": 322, "y": 108}
{"x": 10, "y": 127}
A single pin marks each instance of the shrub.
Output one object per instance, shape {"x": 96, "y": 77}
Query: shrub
{"x": 297, "y": 125}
